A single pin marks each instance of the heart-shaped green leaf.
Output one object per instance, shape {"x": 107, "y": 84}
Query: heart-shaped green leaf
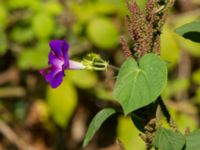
{"x": 139, "y": 85}
{"x": 192, "y": 140}
{"x": 166, "y": 139}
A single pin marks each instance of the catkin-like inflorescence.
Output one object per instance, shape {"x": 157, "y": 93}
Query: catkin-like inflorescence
{"x": 145, "y": 27}
{"x": 149, "y": 10}
{"x": 125, "y": 48}
{"x": 136, "y": 27}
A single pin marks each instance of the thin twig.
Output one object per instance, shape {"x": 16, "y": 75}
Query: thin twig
{"x": 164, "y": 109}
{"x": 113, "y": 67}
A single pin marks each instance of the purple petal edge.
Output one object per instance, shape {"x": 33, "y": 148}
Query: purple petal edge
{"x": 59, "y": 47}
{"x": 54, "y": 77}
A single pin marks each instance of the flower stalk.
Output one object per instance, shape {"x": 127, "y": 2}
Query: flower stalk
{"x": 94, "y": 62}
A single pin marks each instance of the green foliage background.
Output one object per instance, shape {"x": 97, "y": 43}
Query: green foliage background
{"x": 27, "y": 26}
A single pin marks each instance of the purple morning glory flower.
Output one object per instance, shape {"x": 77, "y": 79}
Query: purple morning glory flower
{"x": 59, "y": 62}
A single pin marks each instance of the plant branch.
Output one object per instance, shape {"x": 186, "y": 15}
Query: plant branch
{"x": 166, "y": 113}
{"x": 113, "y": 67}
{"x": 164, "y": 109}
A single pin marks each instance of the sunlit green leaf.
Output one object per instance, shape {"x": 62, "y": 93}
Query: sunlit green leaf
{"x": 103, "y": 33}
{"x": 170, "y": 50}
{"x": 196, "y": 76}
{"x": 53, "y": 7}
{"x": 87, "y": 8}
{"x": 106, "y": 8}
{"x": 128, "y": 134}
{"x": 34, "y": 58}
{"x": 184, "y": 19}
{"x": 139, "y": 85}
{"x": 62, "y": 102}
{"x": 22, "y": 35}
{"x": 166, "y": 139}
{"x": 25, "y": 59}
{"x": 82, "y": 78}
{"x": 96, "y": 123}
{"x": 190, "y": 31}
{"x": 103, "y": 93}
{"x": 28, "y": 4}
{"x": 191, "y": 47}
{"x": 35, "y": 5}
{"x": 18, "y": 4}
{"x": 43, "y": 25}
{"x": 3, "y": 15}
{"x": 119, "y": 6}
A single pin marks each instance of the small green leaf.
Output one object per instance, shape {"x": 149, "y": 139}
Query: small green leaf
{"x": 34, "y": 58}
{"x": 22, "y": 35}
{"x": 103, "y": 33}
{"x": 25, "y": 59}
{"x": 138, "y": 86}
{"x": 192, "y": 140}
{"x": 96, "y": 122}
{"x": 62, "y": 101}
{"x": 127, "y": 133}
{"x": 43, "y": 25}
{"x": 77, "y": 76}
{"x": 188, "y": 45}
{"x": 166, "y": 139}
{"x": 190, "y": 31}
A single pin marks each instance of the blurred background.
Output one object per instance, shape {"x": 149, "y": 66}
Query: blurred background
{"x": 35, "y": 117}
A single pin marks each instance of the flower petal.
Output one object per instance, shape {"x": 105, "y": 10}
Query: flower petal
{"x": 57, "y": 80}
{"x": 59, "y": 47}
{"x": 74, "y": 65}
{"x": 54, "y": 61}
{"x": 54, "y": 77}
{"x": 64, "y": 49}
